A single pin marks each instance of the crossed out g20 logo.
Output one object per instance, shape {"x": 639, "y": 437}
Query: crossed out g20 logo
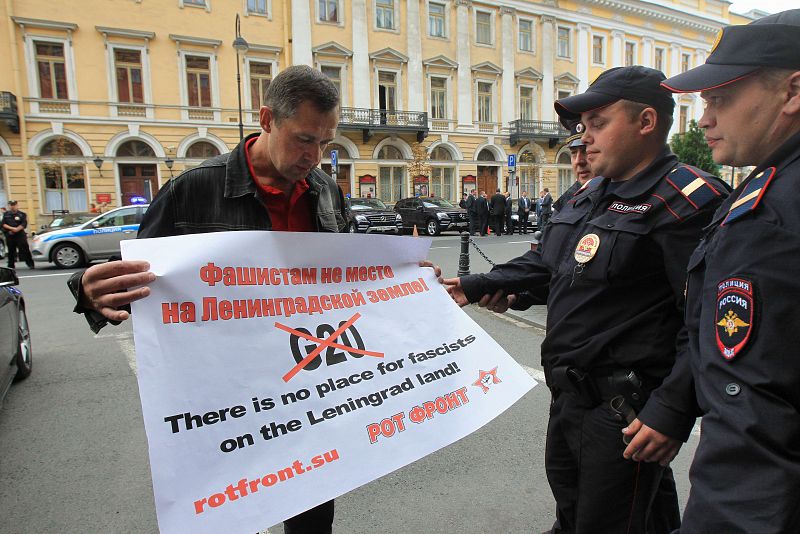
{"x": 308, "y": 356}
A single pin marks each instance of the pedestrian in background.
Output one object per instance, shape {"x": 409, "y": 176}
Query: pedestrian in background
{"x": 14, "y": 224}
{"x": 498, "y": 211}
{"x": 523, "y": 212}
{"x": 508, "y": 212}
{"x": 482, "y": 206}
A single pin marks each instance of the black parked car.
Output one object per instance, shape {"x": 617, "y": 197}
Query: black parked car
{"x": 15, "y": 337}
{"x": 433, "y": 215}
{"x": 368, "y": 215}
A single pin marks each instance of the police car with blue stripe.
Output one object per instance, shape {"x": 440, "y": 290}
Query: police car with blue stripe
{"x": 97, "y": 239}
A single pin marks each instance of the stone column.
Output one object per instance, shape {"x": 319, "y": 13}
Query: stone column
{"x": 647, "y": 52}
{"x": 301, "y": 32}
{"x": 582, "y": 57}
{"x": 675, "y": 60}
{"x": 361, "y": 76}
{"x": 416, "y": 89}
{"x": 548, "y": 59}
{"x": 617, "y": 40}
{"x": 508, "y": 97}
{"x": 463, "y": 44}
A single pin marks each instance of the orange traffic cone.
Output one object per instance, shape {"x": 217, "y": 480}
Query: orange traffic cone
{"x": 489, "y": 230}
{"x": 414, "y": 232}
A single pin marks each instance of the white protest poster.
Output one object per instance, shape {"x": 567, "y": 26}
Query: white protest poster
{"x": 280, "y": 370}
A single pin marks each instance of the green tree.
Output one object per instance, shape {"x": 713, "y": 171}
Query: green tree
{"x": 691, "y": 148}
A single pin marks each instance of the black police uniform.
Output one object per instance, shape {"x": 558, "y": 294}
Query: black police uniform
{"x": 744, "y": 330}
{"x": 17, "y": 242}
{"x": 620, "y": 311}
{"x": 565, "y": 197}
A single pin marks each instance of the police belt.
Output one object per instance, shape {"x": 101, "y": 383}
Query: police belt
{"x": 598, "y": 385}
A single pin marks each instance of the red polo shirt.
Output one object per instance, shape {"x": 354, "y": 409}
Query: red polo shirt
{"x": 292, "y": 214}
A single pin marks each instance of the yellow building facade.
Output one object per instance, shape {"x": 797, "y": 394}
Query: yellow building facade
{"x": 101, "y": 103}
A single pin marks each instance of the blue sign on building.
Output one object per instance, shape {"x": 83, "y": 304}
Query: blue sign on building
{"x": 334, "y": 159}
{"x": 512, "y": 160}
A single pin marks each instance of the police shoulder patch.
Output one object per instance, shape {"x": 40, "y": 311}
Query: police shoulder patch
{"x": 751, "y": 195}
{"x": 692, "y": 184}
{"x": 735, "y": 311}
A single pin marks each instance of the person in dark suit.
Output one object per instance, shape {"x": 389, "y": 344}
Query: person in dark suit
{"x": 498, "y": 206}
{"x": 509, "y": 220}
{"x": 523, "y": 211}
{"x": 483, "y": 213}
{"x": 547, "y": 208}
{"x": 472, "y": 212}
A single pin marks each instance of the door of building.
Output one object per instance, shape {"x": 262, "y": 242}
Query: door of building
{"x": 137, "y": 181}
{"x": 342, "y": 177}
{"x": 487, "y": 179}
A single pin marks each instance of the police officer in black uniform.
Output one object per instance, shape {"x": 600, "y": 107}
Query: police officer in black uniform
{"x": 611, "y": 268}
{"x": 580, "y": 166}
{"x": 14, "y": 223}
{"x": 742, "y": 314}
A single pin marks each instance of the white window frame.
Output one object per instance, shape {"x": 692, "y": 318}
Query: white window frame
{"x": 569, "y": 42}
{"x": 494, "y": 99}
{"x": 603, "y": 49}
{"x": 663, "y": 58}
{"x": 635, "y": 58}
{"x": 396, "y": 19}
{"x": 492, "y": 23}
{"x": 339, "y": 11}
{"x": 533, "y": 89}
{"x": 247, "y": 12}
{"x": 206, "y": 6}
{"x": 344, "y": 96}
{"x": 532, "y": 22}
{"x": 112, "y": 78}
{"x": 247, "y": 94}
{"x": 446, "y": 4}
{"x": 688, "y": 57}
{"x": 212, "y": 67}
{"x": 448, "y": 85}
{"x": 33, "y": 71}
{"x": 398, "y": 80}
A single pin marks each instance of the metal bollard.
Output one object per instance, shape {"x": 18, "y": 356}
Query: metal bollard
{"x": 463, "y": 258}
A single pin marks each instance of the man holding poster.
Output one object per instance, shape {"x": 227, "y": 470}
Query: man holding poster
{"x": 270, "y": 181}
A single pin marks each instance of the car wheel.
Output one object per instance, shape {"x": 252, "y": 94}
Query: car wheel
{"x": 67, "y": 255}
{"x": 432, "y": 227}
{"x": 352, "y": 228}
{"x": 24, "y": 358}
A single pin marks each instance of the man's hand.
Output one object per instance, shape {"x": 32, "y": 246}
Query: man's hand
{"x": 105, "y": 287}
{"x": 498, "y": 303}
{"x": 649, "y": 445}
{"x": 436, "y": 270}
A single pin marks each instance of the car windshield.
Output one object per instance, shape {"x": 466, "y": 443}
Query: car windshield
{"x": 362, "y": 204}
{"x": 436, "y": 203}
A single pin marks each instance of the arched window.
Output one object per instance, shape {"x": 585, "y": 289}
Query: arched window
{"x": 202, "y": 150}
{"x": 486, "y": 155}
{"x": 60, "y": 146}
{"x": 528, "y": 173}
{"x": 441, "y": 153}
{"x": 390, "y": 152}
{"x": 443, "y": 175}
{"x": 135, "y": 149}
{"x": 342, "y": 151}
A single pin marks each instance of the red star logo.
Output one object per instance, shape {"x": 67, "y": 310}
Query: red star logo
{"x": 487, "y": 378}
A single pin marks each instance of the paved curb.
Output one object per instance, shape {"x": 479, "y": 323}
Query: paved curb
{"x": 526, "y": 317}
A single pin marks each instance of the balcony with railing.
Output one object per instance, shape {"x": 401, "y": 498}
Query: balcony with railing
{"x": 534, "y": 130}
{"x": 8, "y": 110}
{"x": 370, "y": 121}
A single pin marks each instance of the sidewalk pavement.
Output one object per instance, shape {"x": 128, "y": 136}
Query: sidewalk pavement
{"x": 534, "y": 316}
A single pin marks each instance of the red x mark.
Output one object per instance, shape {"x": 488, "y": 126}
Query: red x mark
{"x": 323, "y": 344}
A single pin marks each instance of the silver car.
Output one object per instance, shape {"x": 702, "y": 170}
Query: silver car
{"x": 97, "y": 239}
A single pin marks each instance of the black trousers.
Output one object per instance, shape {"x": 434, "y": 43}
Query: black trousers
{"x": 523, "y": 222}
{"x": 483, "y": 223}
{"x": 497, "y": 224}
{"x": 473, "y": 224}
{"x": 18, "y": 248}
{"x": 317, "y": 520}
{"x": 595, "y": 488}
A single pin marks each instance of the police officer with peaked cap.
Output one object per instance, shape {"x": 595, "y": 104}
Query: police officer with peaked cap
{"x": 743, "y": 288}
{"x": 580, "y": 166}
{"x": 611, "y": 268}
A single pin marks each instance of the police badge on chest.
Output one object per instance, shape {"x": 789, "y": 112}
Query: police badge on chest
{"x": 734, "y": 316}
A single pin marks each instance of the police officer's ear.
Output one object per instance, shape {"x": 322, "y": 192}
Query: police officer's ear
{"x": 266, "y": 118}
{"x": 648, "y": 121}
{"x": 792, "y": 106}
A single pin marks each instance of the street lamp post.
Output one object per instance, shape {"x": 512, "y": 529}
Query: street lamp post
{"x": 241, "y": 47}
{"x": 169, "y": 162}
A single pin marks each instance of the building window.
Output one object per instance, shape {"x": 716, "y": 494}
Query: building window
{"x": 683, "y": 119}
{"x": 564, "y": 44}
{"x": 630, "y": 54}
{"x": 258, "y": 7}
{"x": 198, "y": 81}
{"x": 565, "y": 177}
{"x": 526, "y": 35}
{"x": 64, "y": 187}
{"x": 202, "y": 150}
{"x": 128, "y": 72}
{"x": 391, "y": 177}
{"x": 135, "y": 149}
{"x": 658, "y": 64}
{"x": 334, "y": 74}
{"x": 528, "y": 173}
{"x": 52, "y": 70}
{"x": 328, "y": 10}
{"x": 563, "y": 94}
{"x": 483, "y": 27}
{"x": 436, "y": 20}
{"x": 384, "y": 14}
{"x": 387, "y": 91}
{"x": 484, "y": 102}
{"x": 526, "y": 103}
{"x": 442, "y": 182}
{"x": 198, "y": 3}
{"x": 438, "y": 98}
{"x": 686, "y": 62}
{"x": 260, "y": 77}
{"x": 598, "y": 49}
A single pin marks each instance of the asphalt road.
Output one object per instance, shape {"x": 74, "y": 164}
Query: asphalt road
{"x": 75, "y": 454}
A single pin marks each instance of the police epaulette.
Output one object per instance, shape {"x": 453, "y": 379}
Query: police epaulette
{"x": 694, "y": 188}
{"x": 751, "y": 195}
